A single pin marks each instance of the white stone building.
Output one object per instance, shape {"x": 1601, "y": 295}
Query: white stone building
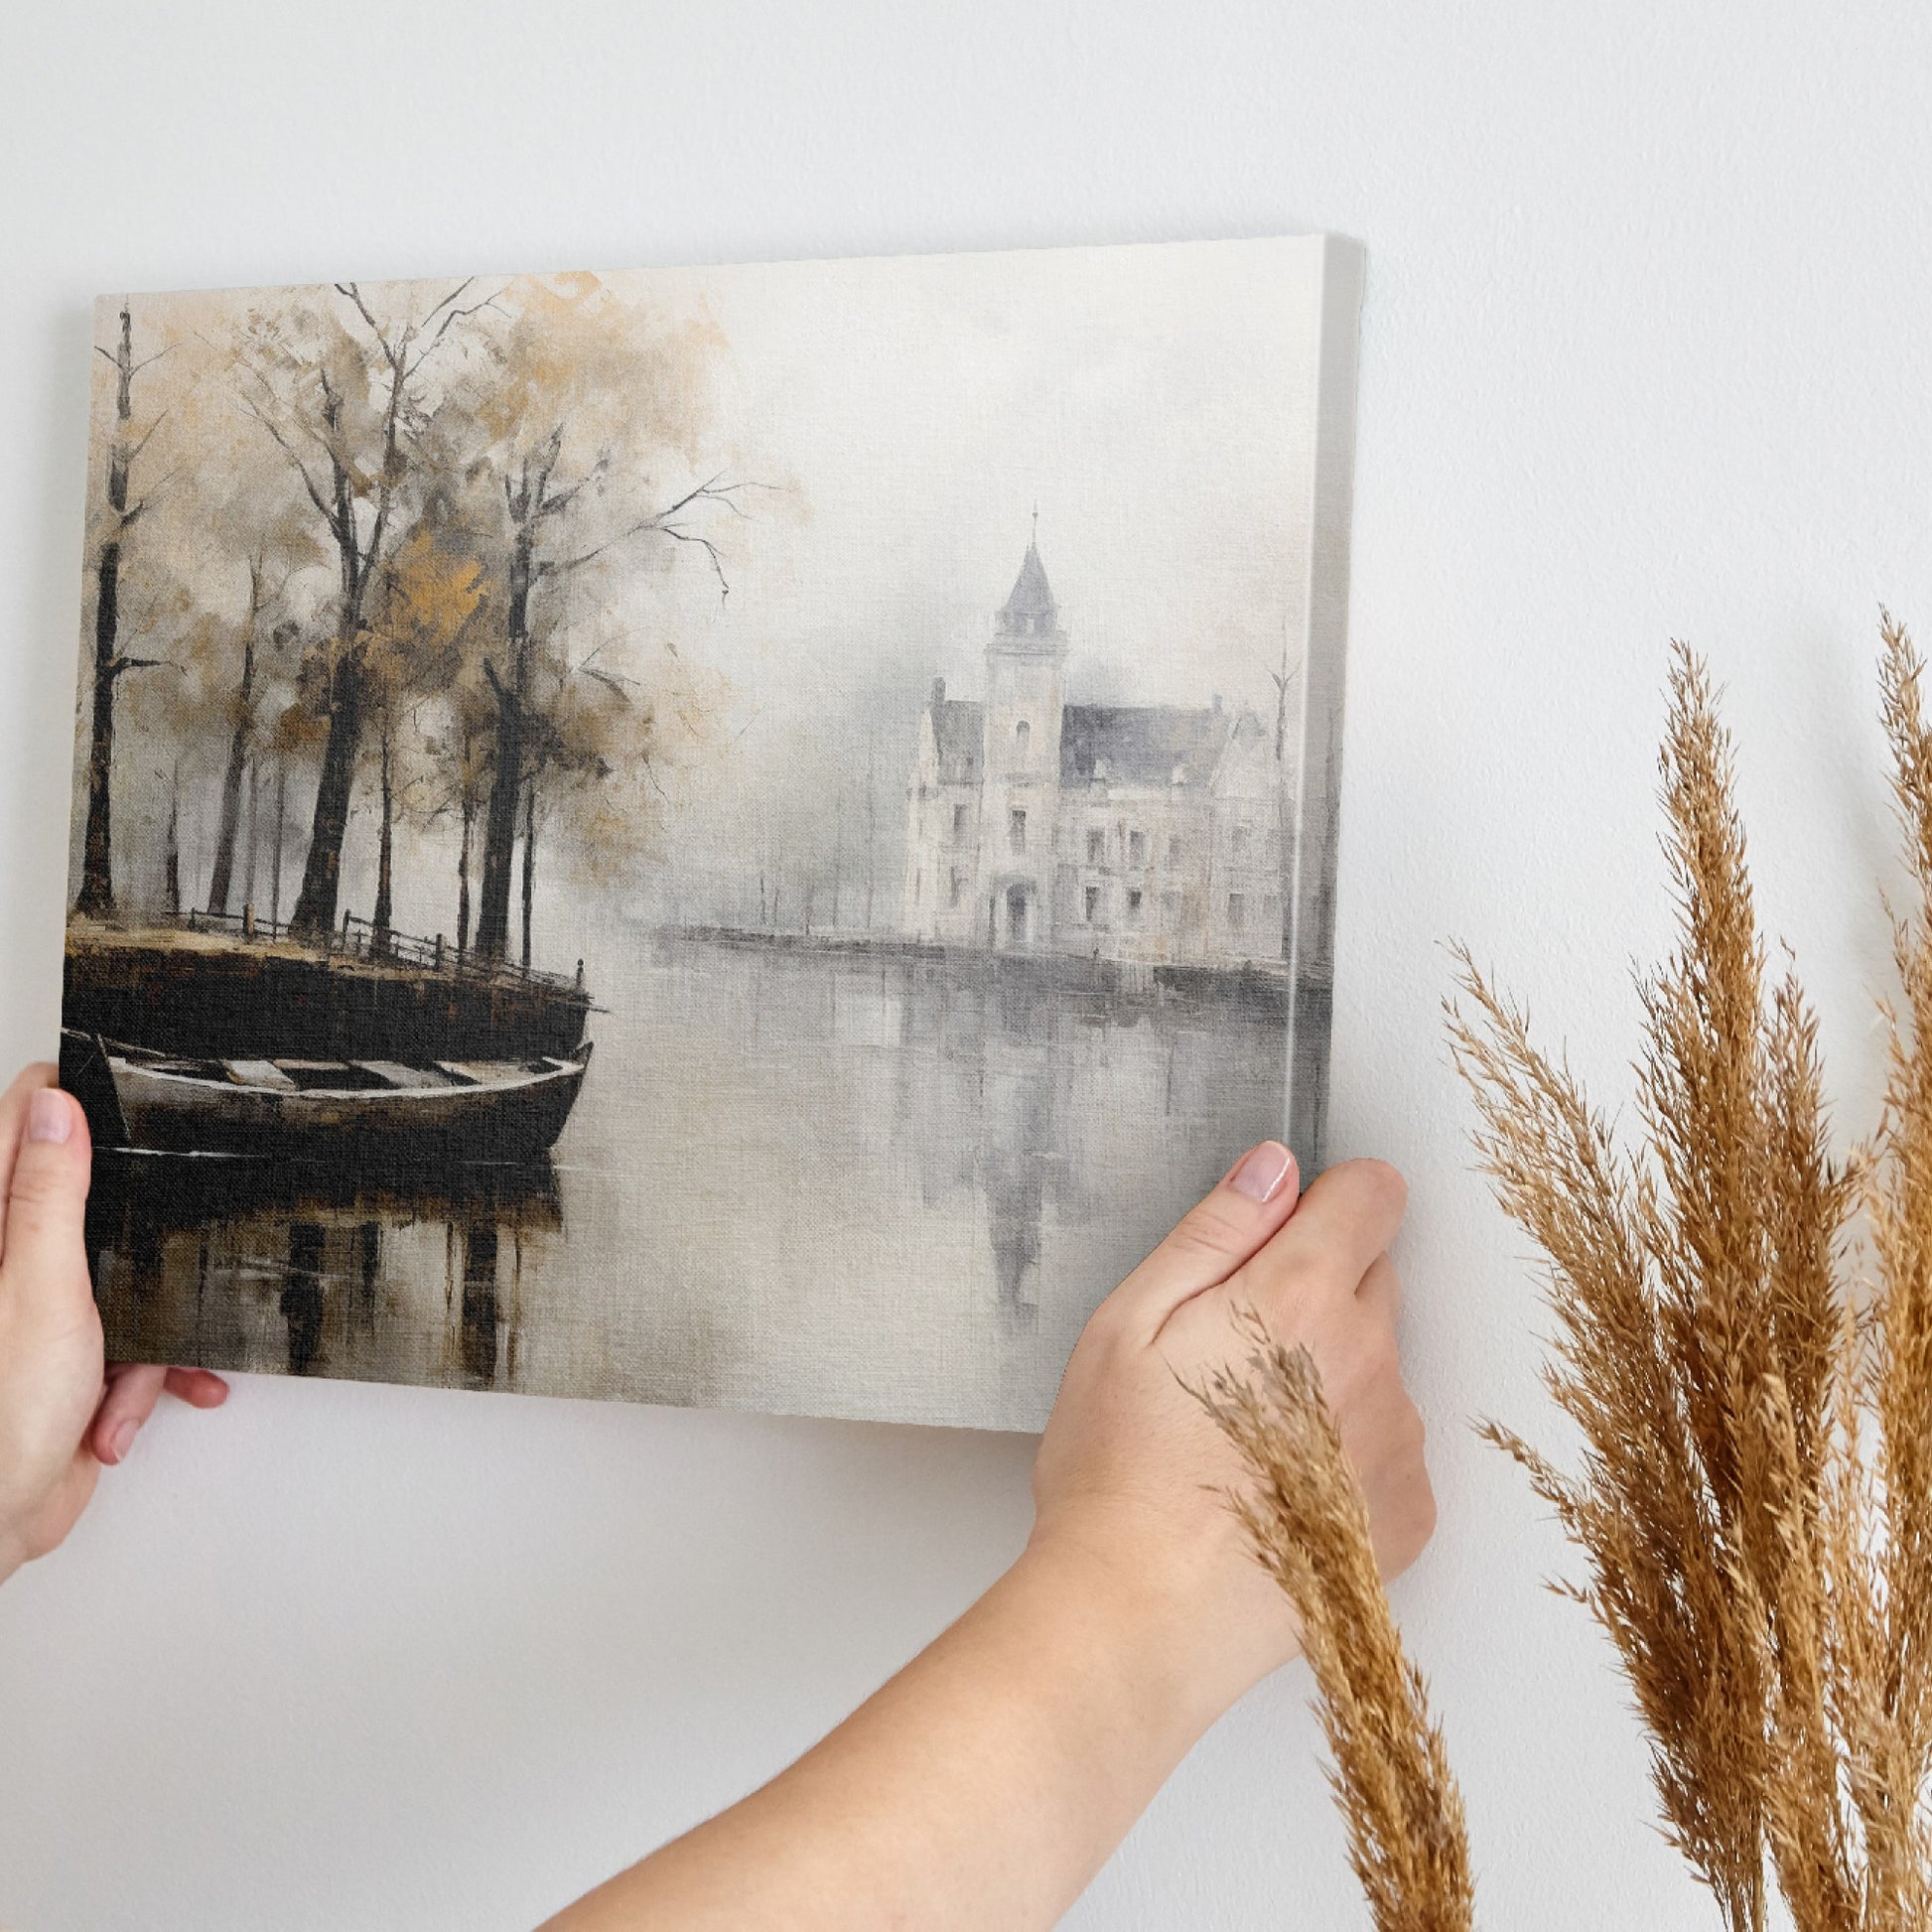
{"x": 1109, "y": 831}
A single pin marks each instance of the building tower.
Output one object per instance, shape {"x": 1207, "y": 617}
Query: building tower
{"x": 1025, "y": 657}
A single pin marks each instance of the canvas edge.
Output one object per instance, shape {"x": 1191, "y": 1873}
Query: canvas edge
{"x": 836, "y": 258}
{"x": 1319, "y": 817}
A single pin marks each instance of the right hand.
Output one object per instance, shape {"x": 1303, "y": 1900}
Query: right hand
{"x": 1130, "y": 1475}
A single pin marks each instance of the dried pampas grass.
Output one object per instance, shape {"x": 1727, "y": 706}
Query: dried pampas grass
{"x": 1754, "y": 1496}
{"x": 1307, "y": 1522}
{"x": 1753, "y": 1390}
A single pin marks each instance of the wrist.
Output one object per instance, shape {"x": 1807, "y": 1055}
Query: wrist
{"x": 1157, "y": 1631}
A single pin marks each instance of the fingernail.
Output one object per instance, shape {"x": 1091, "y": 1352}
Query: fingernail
{"x": 1262, "y": 1173}
{"x": 122, "y": 1438}
{"x": 50, "y": 1116}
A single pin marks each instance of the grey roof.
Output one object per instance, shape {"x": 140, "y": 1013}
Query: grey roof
{"x": 1031, "y": 596}
{"x": 1142, "y": 744}
{"x": 958, "y": 730}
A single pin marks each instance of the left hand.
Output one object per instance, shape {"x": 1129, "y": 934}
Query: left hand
{"x": 63, "y": 1413}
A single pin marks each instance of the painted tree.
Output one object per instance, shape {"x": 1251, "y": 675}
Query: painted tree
{"x": 584, "y": 398}
{"x": 457, "y": 743}
{"x": 344, "y": 401}
{"x": 431, "y": 590}
{"x": 111, "y": 662}
{"x": 260, "y": 635}
{"x": 600, "y": 748}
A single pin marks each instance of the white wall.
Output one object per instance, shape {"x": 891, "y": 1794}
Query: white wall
{"x": 1644, "y": 354}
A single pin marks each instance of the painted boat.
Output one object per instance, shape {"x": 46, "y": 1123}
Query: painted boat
{"x": 169, "y": 1103}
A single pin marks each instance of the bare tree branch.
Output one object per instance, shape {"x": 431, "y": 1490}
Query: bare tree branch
{"x": 153, "y": 491}
{"x": 354, "y": 294}
{"x": 622, "y": 686}
{"x": 705, "y": 544}
{"x": 126, "y": 663}
{"x": 301, "y": 469}
{"x": 447, "y": 300}
{"x": 660, "y": 523}
{"x": 152, "y": 427}
{"x": 455, "y": 315}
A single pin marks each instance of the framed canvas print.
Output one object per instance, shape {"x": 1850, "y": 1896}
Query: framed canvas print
{"x": 742, "y": 836}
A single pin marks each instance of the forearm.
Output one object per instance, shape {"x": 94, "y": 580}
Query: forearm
{"x": 984, "y": 1785}
{"x": 990, "y": 1779}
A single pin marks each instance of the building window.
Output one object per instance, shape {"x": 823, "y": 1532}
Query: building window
{"x": 919, "y": 884}
{"x": 1170, "y": 905}
{"x": 1237, "y": 911}
{"x": 1017, "y": 829}
{"x": 1241, "y": 841}
{"x": 1022, "y": 736}
{"x": 958, "y": 824}
{"x": 1134, "y": 904}
{"x": 1136, "y": 848}
{"x": 1174, "y": 850}
{"x": 1093, "y": 904}
{"x": 958, "y": 887}
{"x": 1096, "y": 848}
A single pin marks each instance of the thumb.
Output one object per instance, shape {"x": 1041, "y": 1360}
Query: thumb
{"x": 44, "y": 1255}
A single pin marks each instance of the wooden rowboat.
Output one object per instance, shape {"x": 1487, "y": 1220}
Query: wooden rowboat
{"x": 321, "y": 1108}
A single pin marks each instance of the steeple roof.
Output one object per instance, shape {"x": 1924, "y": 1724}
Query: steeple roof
{"x": 1031, "y": 606}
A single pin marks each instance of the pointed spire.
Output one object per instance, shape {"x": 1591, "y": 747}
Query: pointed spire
{"x": 1031, "y": 607}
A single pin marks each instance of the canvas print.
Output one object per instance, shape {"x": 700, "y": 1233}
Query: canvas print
{"x": 739, "y": 836}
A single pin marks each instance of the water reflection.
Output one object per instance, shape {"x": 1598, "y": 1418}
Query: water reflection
{"x": 329, "y": 1248}
{"x": 480, "y": 1311}
{"x": 793, "y": 1179}
{"x": 302, "y": 1296}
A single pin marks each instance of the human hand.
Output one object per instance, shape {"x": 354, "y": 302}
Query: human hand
{"x": 1043, "y": 1719}
{"x": 1129, "y": 1481}
{"x": 63, "y": 1414}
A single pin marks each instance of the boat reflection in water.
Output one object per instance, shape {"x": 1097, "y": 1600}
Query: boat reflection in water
{"x": 282, "y": 1264}
{"x": 777, "y": 1148}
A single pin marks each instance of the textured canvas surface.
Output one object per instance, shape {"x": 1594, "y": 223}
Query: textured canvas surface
{"x": 738, "y": 836}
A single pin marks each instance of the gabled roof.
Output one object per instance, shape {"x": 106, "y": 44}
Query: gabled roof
{"x": 1032, "y": 598}
{"x": 1142, "y": 744}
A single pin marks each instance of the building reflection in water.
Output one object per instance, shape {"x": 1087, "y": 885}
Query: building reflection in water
{"x": 1010, "y": 1082}
{"x": 314, "y": 1241}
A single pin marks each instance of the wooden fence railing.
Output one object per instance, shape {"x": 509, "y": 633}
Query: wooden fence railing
{"x": 362, "y": 941}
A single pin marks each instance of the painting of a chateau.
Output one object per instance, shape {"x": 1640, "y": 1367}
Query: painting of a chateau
{"x": 560, "y": 757}
{"x": 1118, "y": 832}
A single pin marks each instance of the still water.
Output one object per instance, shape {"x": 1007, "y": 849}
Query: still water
{"x": 800, "y": 1181}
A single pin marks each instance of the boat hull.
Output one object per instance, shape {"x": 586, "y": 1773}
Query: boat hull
{"x": 504, "y": 1112}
